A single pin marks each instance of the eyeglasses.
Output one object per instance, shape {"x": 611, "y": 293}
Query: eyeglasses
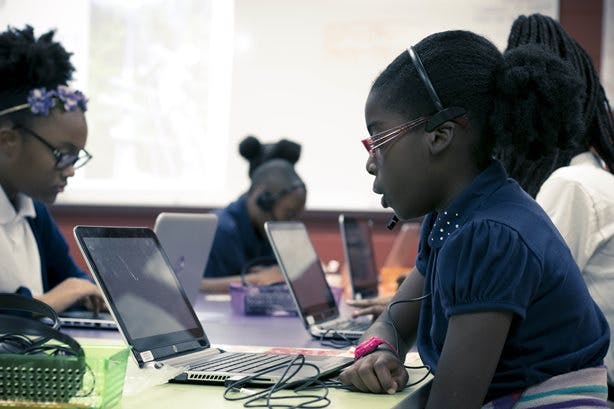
{"x": 62, "y": 159}
{"x": 380, "y": 139}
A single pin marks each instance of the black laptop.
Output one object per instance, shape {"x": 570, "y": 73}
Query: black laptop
{"x": 305, "y": 277}
{"x": 359, "y": 256}
{"x": 158, "y": 321}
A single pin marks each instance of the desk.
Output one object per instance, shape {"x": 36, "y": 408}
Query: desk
{"x": 222, "y": 326}
{"x": 225, "y": 328}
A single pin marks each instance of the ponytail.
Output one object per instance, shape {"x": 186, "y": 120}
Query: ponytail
{"x": 537, "y": 115}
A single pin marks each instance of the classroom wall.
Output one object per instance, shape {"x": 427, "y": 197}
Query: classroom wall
{"x": 323, "y": 227}
{"x": 583, "y": 19}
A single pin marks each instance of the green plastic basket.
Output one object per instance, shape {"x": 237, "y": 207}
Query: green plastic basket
{"x": 101, "y": 387}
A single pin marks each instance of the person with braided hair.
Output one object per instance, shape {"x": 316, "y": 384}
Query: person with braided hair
{"x": 567, "y": 164}
{"x": 42, "y": 141}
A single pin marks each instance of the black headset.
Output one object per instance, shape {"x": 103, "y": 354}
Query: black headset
{"x": 266, "y": 200}
{"x": 35, "y": 368}
{"x": 443, "y": 114}
{"x": 26, "y": 334}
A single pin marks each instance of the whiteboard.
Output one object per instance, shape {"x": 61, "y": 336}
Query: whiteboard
{"x": 174, "y": 86}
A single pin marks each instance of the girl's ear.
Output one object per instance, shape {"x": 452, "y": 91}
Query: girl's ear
{"x": 441, "y": 138}
{"x": 9, "y": 141}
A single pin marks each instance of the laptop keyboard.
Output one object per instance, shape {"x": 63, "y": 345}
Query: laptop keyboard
{"x": 241, "y": 362}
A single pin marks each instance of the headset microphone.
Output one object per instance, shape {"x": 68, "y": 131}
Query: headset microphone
{"x": 393, "y": 221}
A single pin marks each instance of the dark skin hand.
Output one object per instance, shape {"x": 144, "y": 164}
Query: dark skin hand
{"x": 369, "y": 306}
{"x": 379, "y": 372}
{"x": 382, "y": 371}
{"x": 467, "y": 362}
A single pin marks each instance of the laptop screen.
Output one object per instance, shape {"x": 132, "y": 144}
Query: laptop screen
{"x": 358, "y": 248}
{"x": 302, "y": 269}
{"x": 140, "y": 286}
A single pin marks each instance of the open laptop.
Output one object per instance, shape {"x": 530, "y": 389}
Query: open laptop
{"x": 156, "y": 318}
{"x": 305, "y": 277}
{"x": 87, "y": 319}
{"x": 359, "y": 256}
{"x": 186, "y": 239}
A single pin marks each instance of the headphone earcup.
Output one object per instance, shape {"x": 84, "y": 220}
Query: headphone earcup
{"x": 266, "y": 201}
{"x": 24, "y": 306}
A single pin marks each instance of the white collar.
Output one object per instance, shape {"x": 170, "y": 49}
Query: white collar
{"x": 8, "y": 214}
{"x": 587, "y": 158}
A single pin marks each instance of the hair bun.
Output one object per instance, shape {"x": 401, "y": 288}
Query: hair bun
{"x": 258, "y": 153}
{"x": 250, "y": 147}
{"x": 539, "y": 102}
{"x": 28, "y": 62}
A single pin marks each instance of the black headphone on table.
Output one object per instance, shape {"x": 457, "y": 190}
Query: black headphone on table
{"x": 25, "y": 334}
{"x": 38, "y": 362}
{"x": 266, "y": 200}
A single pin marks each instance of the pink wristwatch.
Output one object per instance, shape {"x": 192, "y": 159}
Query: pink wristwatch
{"x": 369, "y": 345}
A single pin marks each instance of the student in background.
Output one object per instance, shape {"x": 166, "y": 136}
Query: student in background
{"x": 240, "y": 243}
{"x": 567, "y": 172}
{"x": 488, "y": 301}
{"x": 42, "y": 141}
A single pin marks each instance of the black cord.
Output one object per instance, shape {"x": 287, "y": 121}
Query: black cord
{"x": 428, "y": 372}
{"x": 291, "y": 368}
{"x": 388, "y": 318}
{"x": 338, "y": 340}
{"x": 18, "y": 341}
{"x": 29, "y": 346}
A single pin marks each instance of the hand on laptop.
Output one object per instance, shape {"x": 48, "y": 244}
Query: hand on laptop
{"x": 368, "y": 306}
{"x": 379, "y": 372}
{"x": 71, "y": 291}
{"x": 261, "y": 275}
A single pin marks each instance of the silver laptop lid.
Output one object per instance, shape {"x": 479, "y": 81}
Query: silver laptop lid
{"x": 141, "y": 291}
{"x": 303, "y": 271}
{"x": 359, "y": 256}
{"x": 186, "y": 239}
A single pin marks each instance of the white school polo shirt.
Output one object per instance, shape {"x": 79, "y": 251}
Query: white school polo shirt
{"x": 20, "y": 264}
{"x": 579, "y": 199}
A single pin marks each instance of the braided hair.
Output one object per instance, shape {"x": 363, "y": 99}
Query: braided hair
{"x": 532, "y": 163}
{"x": 27, "y": 62}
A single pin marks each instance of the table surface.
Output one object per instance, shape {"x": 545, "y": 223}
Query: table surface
{"x": 146, "y": 388}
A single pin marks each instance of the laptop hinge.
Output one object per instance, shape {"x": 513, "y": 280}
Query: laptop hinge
{"x": 190, "y": 358}
{"x": 173, "y": 350}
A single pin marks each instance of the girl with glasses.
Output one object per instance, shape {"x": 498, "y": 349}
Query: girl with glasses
{"x": 496, "y": 305}
{"x": 42, "y": 141}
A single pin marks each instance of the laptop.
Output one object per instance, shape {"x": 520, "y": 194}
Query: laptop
{"x": 359, "y": 256}
{"x": 302, "y": 270}
{"x": 186, "y": 239}
{"x": 87, "y": 319}
{"x": 157, "y": 320}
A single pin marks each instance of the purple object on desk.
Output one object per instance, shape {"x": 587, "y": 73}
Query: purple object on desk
{"x": 269, "y": 300}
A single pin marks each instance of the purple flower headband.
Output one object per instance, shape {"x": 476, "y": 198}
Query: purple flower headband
{"x": 41, "y": 101}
